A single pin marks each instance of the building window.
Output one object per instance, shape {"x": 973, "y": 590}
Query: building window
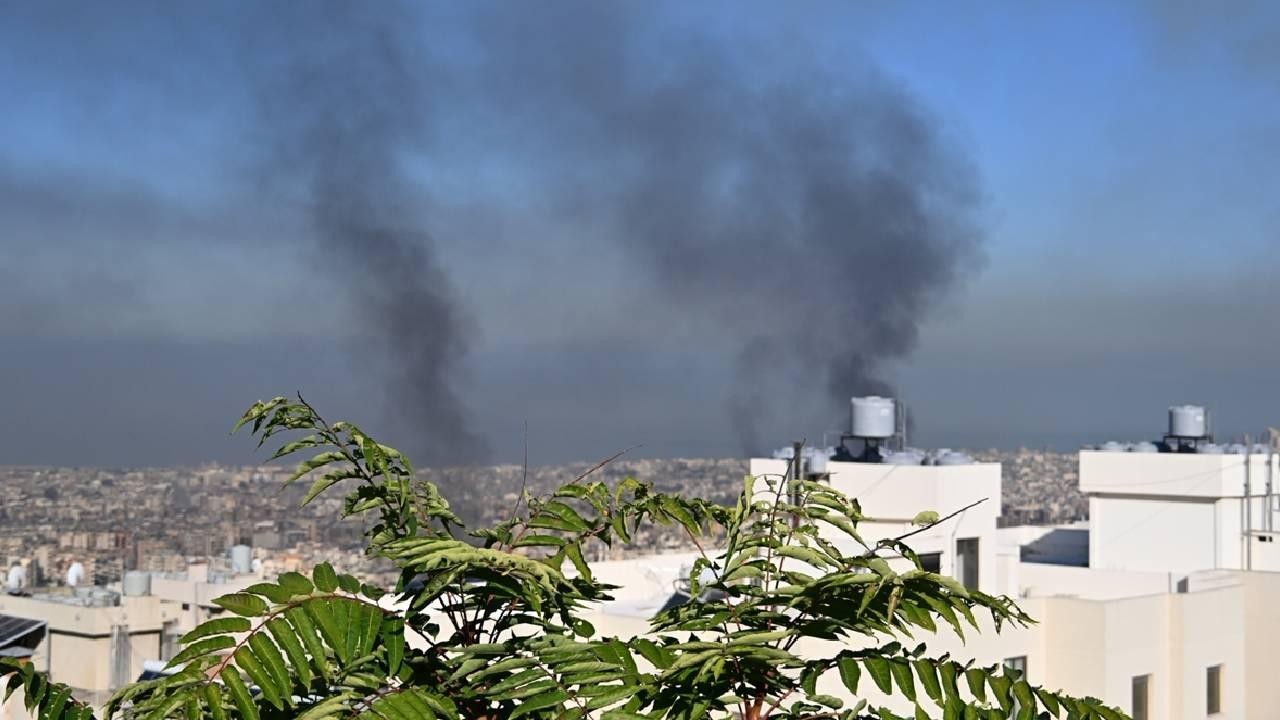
{"x": 1017, "y": 663}
{"x": 966, "y": 570}
{"x": 931, "y": 562}
{"x": 1141, "y": 692}
{"x": 1213, "y": 691}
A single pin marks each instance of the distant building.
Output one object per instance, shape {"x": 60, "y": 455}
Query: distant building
{"x": 96, "y": 639}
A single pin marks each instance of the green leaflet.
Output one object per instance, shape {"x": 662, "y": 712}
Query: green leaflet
{"x": 548, "y": 699}
{"x": 325, "y": 578}
{"x": 240, "y": 694}
{"x": 282, "y": 632}
{"x": 977, "y": 680}
{"x": 878, "y": 668}
{"x": 201, "y": 648}
{"x": 328, "y": 480}
{"x": 322, "y": 612}
{"x": 274, "y": 593}
{"x": 315, "y": 462}
{"x": 242, "y": 604}
{"x": 1026, "y": 700}
{"x": 249, "y": 663}
{"x": 213, "y": 700}
{"x": 273, "y": 662}
{"x": 295, "y": 583}
{"x": 901, "y": 671}
{"x": 393, "y": 641}
{"x": 1049, "y": 700}
{"x": 849, "y": 672}
{"x": 804, "y": 554}
{"x": 306, "y": 632}
{"x": 217, "y": 626}
{"x": 928, "y": 675}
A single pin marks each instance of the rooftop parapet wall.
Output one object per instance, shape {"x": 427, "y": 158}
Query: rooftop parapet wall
{"x": 1174, "y": 474}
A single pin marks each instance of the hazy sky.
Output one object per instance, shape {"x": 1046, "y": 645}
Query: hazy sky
{"x": 1092, "y": 188}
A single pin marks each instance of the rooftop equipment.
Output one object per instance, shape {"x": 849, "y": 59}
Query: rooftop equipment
{"x": 17, "y": 580}
{"x": 241, "y": 559}
{"x": 75, "y": 574}
{"x": 872, "y": 420}
{"x": 908, "y": 457}
{"x": 953, "y": 458}
{"x": 1189, "y": 427}
{"x": 136, "y": 583}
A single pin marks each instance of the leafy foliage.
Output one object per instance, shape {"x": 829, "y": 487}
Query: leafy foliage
{"x": 492, "y": 624}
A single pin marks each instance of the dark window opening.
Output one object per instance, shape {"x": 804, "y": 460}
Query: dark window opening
{"x": 1141, "y": 691}
{"x": 1213, "y": 693}
{"x": 931, "y": 562}
{"x": 966, "y": 570}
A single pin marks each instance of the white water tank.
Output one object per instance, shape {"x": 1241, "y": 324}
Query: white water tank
{"x": 136, "y": 583}
{"x": 818, "y": 462}
{"x": 873, "y": 417}
{"x": 75, "y": 574}
{"x": 953, "y": 458}
{"x": 1188, "y": 421}
{"x": 903, "y": 458}
{"x": 241, "y": 559}
{"x": 17, "y": 579}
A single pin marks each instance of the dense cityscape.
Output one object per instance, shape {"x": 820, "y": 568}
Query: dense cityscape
{"x": 161, "y": 519}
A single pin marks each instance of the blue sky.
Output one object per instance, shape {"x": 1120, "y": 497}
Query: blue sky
{"x": 1125, "y": 160}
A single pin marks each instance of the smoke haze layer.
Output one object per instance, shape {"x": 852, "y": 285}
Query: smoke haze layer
{"x": 799, "y": 218}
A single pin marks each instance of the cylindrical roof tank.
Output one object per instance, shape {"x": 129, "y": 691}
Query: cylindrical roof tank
{"x": 1209, "y": 449}
{"x": 818, "y": 462}
{"x": 903, "y": 458}
{"x": 1187, "y": 421}
{"x": 1144, "y": 447}
{"x": 873, "y": 417}
{"x": 954, "y": 458}
{"x": 17, "y": 579}
{"x": 241, "y": 559}
{"x": 136, "y": 583}
{"x": 75, "y": 574}
{"x": 1112, "y": 446}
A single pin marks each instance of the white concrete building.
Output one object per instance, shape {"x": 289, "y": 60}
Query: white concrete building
{"x": 98, "y": 639}
{"x": 1162, "y": 604}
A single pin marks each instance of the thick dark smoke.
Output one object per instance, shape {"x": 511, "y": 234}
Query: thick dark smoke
{"x": 806, "y": 219}
{"x": 813, "y": 221}
{"x": 817, "y": 220}
{"x": 345, "y": 109}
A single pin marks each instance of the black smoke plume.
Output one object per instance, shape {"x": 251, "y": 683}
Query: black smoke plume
{"x": 344, "y": 110}
{"x": 808, "y": 218}
{"x": 812, "y": 219}
{"x": 816, "y": 220}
